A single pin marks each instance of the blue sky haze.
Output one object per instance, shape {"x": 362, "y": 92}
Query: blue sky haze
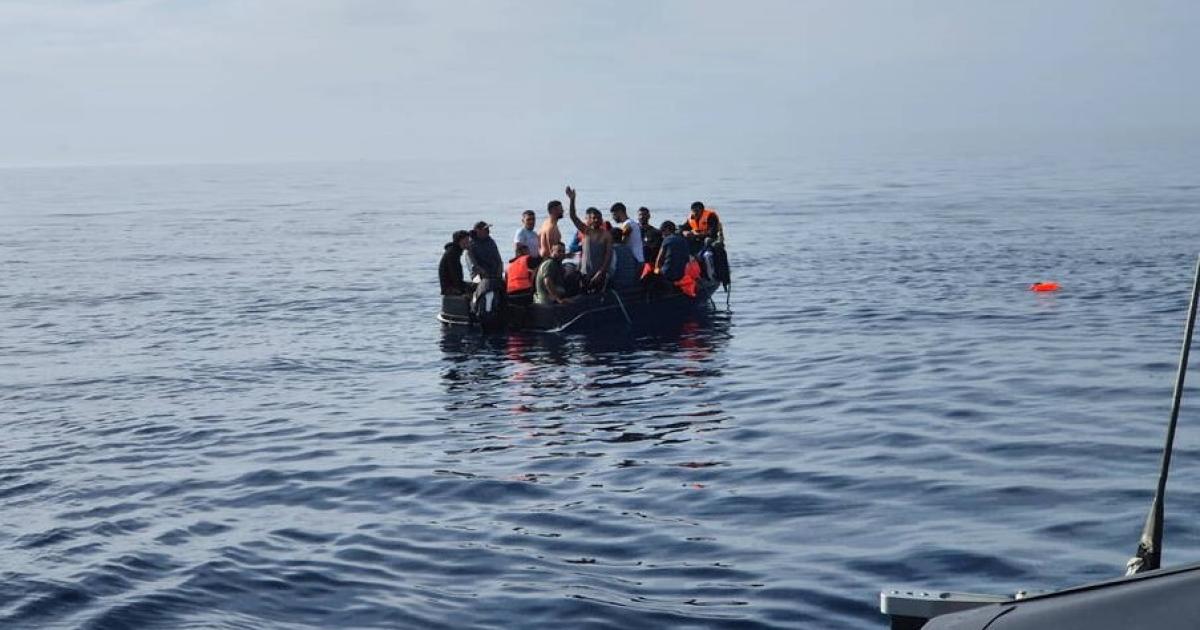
{"x": 112, "y": 81}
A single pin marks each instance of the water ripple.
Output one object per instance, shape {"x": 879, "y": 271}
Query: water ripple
{"x": 227, "y": 404}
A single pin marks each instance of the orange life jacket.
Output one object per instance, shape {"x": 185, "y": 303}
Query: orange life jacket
{"x": 691, "y": 273}
{"x": 701, "y": 226}
{"x": 520, "y": 276}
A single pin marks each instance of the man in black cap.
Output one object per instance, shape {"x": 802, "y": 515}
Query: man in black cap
{"x": 483, "y": 254}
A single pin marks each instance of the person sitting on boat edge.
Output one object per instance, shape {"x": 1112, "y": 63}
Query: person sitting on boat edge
{"x": 625, "y": 267}
{"x": 702, "y": 223}
{"x": 548, "y": 287}
{"x": 631, "y": 231}
{"x": 663, "y": 275}
{"x": 450, "y": 270}
{"x": 673, "y": 256}
{"x": 520, "y": 271}
{"x": 707, "y": 240}
{"x": 548, "y": 234}
{"x": 597, "y": 246}
{"x": 526, "y": 235}
{"x": 483, "y": 254}
{"x": 651, "y": 237}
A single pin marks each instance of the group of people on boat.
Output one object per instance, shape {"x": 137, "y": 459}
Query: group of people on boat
{"x": 619, "y": 253}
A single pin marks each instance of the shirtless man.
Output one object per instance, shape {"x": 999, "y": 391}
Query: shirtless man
{"x": 548, "y": 233}
{"x": 597, "y": 245}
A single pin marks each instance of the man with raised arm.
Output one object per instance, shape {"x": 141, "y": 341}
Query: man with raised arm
{"x": 597, "y": 246}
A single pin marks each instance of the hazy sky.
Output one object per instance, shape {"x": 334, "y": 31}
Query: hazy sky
{"x": 98, "y": 81}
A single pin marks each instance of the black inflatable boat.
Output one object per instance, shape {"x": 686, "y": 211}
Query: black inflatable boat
{"x": 632, "y": 307}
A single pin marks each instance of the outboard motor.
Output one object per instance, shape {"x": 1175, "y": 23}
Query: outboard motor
{"x": 707, "y": 261}
{"x": 716, "y": 262}
{"x": 487, "y": 304}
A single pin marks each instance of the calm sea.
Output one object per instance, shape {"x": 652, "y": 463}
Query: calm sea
{"x": 226, "y": 403}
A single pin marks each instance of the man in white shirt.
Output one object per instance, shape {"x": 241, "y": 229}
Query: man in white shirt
{"x": 526, "y": 234}
{"x": 633, "y": 231}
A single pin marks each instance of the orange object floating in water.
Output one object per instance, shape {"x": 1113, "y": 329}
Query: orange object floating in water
{"x": 1043, "y": 286}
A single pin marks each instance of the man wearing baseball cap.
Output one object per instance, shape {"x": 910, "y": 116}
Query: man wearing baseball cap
{"x": 483, "y": 254}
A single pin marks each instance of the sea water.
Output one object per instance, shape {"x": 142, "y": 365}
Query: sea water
{"x": 226, "y": 401}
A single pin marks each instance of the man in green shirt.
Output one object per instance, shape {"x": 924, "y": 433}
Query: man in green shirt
{"x": 548, "y": 286}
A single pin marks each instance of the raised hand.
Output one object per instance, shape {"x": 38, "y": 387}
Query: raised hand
{"x": 570, "y": 193}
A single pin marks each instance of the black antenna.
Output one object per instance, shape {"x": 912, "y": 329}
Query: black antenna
{"x": 1149, "y": 550}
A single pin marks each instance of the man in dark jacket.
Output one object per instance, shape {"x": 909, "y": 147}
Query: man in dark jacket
{"x": 483, "y": 253}
{"x": 450, "y": 271}
{"x": 651, "y": 237}
{"x": 673, "y": 256}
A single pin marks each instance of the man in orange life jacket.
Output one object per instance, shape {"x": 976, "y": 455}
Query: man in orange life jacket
{"x": 520, "y": 274}
{"x": 701, "y": 224}
{"x": 706, "y": 240}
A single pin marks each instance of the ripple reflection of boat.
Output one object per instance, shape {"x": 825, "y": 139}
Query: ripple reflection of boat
{"x": 546, "y": 384}
{"x": 695, "y": 337}
{"x": 631, "y": 308}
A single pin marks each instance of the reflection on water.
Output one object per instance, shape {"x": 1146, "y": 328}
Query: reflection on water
{"x": 546, "y": 381}
{"x": 555, "y": 373}
{"x": 704, "y": 334}
{"x": 621, "y": 431}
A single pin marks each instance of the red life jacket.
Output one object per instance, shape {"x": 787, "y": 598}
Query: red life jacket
{"x": 520, "y": 276}
{"x": 701, "y": 226}
{"x": 691, "y": 273}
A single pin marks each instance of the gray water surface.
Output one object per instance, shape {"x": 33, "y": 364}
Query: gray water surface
{"x": 226, "y": 403}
